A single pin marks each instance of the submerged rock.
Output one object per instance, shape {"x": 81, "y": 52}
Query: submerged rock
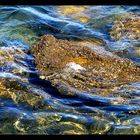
{"x": 74, "y": 12}
{"x": 68, "y": 10}
{"x": 19, "y": 93}
{"x": 67, "y": 128}
{"x": 74, "y": 65}
{"x": 127, "y": 26}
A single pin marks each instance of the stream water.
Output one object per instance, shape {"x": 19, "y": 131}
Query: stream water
{"x": 20, "y": 28}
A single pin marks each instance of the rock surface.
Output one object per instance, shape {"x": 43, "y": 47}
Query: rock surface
{"x": 18, "y": 93}
{"x": 77, "y": 13}
{"x": 127, "y": 26}
{"x": 70, "y": 64}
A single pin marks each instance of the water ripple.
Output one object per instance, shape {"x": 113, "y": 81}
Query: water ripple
{"x": 20, "y": 28}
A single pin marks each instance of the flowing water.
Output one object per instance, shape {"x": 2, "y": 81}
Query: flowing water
{"x": 20, "y": 28}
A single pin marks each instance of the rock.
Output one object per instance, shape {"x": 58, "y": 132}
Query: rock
{"x": 74, "y": 12}
{"x": 7, "y": 128}
{"x": 127, "y": 26}
{"x": 19, "y": 93}
{"x": 68, "y": 10}
{"x": 74, "y": 65}
{"x": 122, "y": 130}
{"x": 100, "y": 126}
{"x": 48, "y": 119}
{"x": 66, "y": 128}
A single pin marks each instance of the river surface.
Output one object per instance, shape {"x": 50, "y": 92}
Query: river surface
{"x": 20, "y": 28}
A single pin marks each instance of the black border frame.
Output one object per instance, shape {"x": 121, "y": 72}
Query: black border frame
{"x": 69, "y": 2}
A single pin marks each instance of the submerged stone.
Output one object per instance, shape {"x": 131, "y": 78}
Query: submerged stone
{"x": 7, "y": 128}
{"x": 19, "y": 93}
{"x": 74, "y": 12}
{"x": 67, "y": 10}
{"x": 74, "y": 65}
{"x": 127, "y": 26}
{"x": 100, "y": 126}
{"x": 67, "y": 128}
{"x": 122, "y": 130}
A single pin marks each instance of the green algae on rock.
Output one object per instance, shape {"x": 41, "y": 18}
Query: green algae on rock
{"x": 80, "y": 66}
{"x": 127, "y": 26}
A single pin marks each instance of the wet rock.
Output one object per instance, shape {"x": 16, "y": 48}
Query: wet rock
{"x": 59, "y": 128}
{"x": 74, "y": 12}
{"x": 7, "y": 128}
{"x": 67, "y": 10}
{"x": 122, "y": 130}
{"x": 100, "y": 126}
{"x": 12, "y": 61}
{"x": 22, "y": 32}
{"x": 13, "y": 66}
{"x": 137, "y": 129}
{"x": 127, "y": 26}
{"x": 66, "y": 128}
{"x": 74, "y": 65}
{"x": 48, "y": 119}
{"x": 19, "y": 93}
{"x": 26, "y": 126}
{"x": 52, "y": 123}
